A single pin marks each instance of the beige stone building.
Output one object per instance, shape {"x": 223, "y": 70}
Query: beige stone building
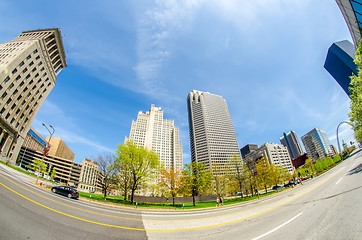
{"x": 59, "y": 148}
{"x": 89, "y": 175}
{"x": 29, "y": 66}
{"x": 153, "y": 132}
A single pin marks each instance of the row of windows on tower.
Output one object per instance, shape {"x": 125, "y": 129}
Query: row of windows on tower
{"x": 22, "y": 90}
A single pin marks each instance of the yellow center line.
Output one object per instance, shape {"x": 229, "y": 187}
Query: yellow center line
{"x": 136, "y": 219}
{"x": 169, "y": 230}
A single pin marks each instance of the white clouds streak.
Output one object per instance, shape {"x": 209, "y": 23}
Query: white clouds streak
{"x": 157, "y": 28}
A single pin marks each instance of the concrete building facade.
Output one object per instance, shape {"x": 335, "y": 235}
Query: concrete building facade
{"x": 59, "y": 148}
{"x": 212, "y": 136}
{"x": 291, "y": 142}
{"x": 29, "y": 66}
{"x": 88, "y": 179}
{"x": 317, "y": 144}
{"x": 153, "y": 132}
{"x": 276, "y": 154}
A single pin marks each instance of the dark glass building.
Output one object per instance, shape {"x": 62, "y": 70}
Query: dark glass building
{"x": 339, "y": 63}
{"x": 248, "y": 148}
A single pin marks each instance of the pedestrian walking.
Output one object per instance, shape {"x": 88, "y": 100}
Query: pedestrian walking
{"x": 217, "y": 202}
{"x": 222, "y": 201}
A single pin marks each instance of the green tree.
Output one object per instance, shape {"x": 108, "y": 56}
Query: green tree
{"x": 122, "y": 163}
{"x": 278, "y": 174}
{"x": 107, "y": 170}
{"x": 53, "y": 174}
{"x": 139, "y": 162}
{"x": 196, "y": 179}
{"x": 170, "y": 179}
{"x": 37, "y": 166}
{"x": 263, "y": 170}
{"x": 355, "y": 115}
{"x": 238, "y": 174}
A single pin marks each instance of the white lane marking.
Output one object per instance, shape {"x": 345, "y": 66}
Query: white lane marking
{"x": 339, "y": 180}
{"x": 273, "y": 230}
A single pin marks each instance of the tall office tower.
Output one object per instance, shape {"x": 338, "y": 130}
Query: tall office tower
{"x": 212, "y": 136}
{"x": 290, "y": 140}
{"x": 316, "y": 144}
{"x": 59, "y": 148}
{"x": 155, "y": 133}
{"x": 29, "y": 65}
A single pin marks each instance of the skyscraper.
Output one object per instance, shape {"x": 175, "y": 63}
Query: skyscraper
{"x": 316, "y": 144}
{"x": 155, "y": 133}
{"x": 340, "y": 63}
{"x": 291, "y": 142}
{"x": 29, "y": 65}
{"x": 212, "y": 136}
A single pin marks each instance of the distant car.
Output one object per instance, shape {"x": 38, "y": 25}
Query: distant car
{"x": 291, "y": 183}
{"x": 66, "y": 191}
{"x": 277, "y": 187}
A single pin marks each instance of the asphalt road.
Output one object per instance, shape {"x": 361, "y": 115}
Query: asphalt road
{"x": 326, "y": 207}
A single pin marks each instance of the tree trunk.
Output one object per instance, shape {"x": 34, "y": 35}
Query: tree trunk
{"x": 105, "y": 193}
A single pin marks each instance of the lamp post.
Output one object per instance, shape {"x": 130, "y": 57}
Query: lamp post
{"x": 45, "y": 148}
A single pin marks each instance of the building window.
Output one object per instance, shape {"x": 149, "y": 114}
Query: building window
{"x": 8, "y": 101}
{"x": 31, "y": 64}
{"x": 35, "y": 51}
{"x": 17, "y": 78}
{"x": 14, "y": 71}
{"x": 4, "y": 95}
{"x": 2, "y": 111}
{"x": 24, "y": 70}
{"x": 28, "y": 57}
{"x": 37, "y": 57}
{"x": 6, "y": 79}
{"x": 21, "y": 64}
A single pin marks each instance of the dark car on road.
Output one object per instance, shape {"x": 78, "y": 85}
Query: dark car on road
{"x": 66, "y": 191}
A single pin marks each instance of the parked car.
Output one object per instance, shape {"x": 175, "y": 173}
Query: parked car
{"x": 277, "y": 187}
{"x": 291, "y": 183}
{"x": 66, "y": 191}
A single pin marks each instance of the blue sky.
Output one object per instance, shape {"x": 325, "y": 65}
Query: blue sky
{"x": 265, "y": 57}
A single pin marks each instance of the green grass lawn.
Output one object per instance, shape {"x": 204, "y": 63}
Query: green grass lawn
{"x": 180, "y": 206}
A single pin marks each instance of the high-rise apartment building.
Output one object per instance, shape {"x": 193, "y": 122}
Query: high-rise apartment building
{"x": 160, "y": 135}
{"x": 276, "y": 154}
{"x": 59, "y": 148}
{"x": 212, "y": 136}
{"x": 316, "y": 144}
{"x": 291, "y": 142}
{"x": 29, "y": 65}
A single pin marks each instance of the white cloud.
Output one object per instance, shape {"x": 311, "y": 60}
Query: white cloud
{"x": 157, "y": 28}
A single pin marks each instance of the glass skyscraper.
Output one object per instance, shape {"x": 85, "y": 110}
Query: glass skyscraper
{"x": 291, "y": 142}
{"x": 212, "y": 136}
{"x": 316, "y": 144}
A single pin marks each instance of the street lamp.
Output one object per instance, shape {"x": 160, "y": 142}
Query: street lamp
{"x": 45, "y": 148}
